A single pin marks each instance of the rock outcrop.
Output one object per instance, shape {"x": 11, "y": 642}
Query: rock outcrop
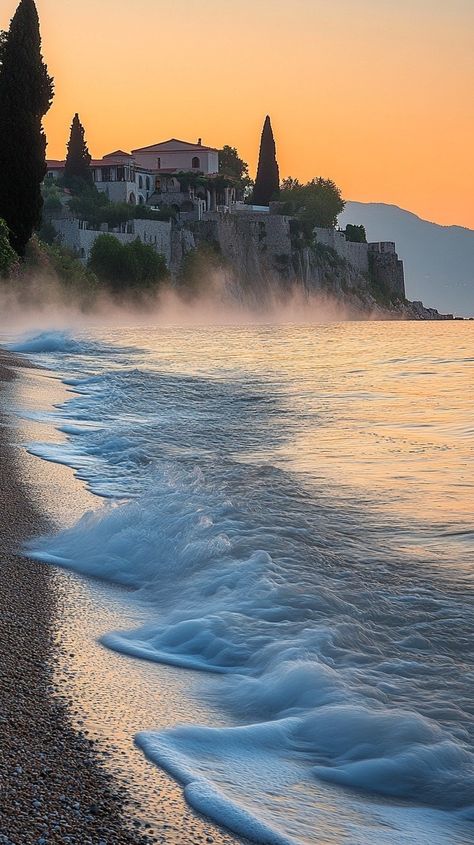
{"x": 267, "y": 255}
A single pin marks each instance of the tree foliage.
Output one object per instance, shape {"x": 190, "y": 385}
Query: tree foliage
{"x": 77, "y": 172}
{"x": 267, "y": 182}
{"x": 26, "y": 92}
{"x": 230, "y": 163}
{"x": 52, "y": 204}
{"x": 125, "y": 267}
{"x": 234, "y": 168}
{"x": 317, "y": 203}
{"x": 356, "y": 234}
{"x": 8, "y": 256}
{"x": 69, "y": 269}
{"x": 95, "y": 207}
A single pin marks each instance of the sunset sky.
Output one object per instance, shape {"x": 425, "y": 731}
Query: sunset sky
{"x": 376, "y": 94}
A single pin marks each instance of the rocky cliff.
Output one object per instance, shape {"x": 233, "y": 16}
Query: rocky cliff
{"x": 267, "y": 255}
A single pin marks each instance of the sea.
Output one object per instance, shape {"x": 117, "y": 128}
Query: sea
{"x": 293, "y": 506}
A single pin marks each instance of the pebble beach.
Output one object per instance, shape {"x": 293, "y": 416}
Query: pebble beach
{"x": 54, "y": 787}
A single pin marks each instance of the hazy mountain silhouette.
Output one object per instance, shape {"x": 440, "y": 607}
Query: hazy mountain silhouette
{"x": 439, "y": 260}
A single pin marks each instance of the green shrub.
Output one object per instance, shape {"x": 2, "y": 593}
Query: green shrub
{"x": 356, "y": 234}
{"x": 127, "y": 266}
{"x": 47, "y": 233}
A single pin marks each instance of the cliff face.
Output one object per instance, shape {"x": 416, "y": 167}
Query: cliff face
{"x": 267, "y": 255}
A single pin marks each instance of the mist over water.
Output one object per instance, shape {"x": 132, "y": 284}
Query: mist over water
{"x": 294, "y": 506}
{"x": 41, "y": 302}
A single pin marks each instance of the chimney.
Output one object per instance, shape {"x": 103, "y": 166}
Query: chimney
{"x": 199, "y": 142}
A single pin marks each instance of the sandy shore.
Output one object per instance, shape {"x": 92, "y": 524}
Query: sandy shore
{"x": 54, "y": 787}
{"x": 68, "y": 719}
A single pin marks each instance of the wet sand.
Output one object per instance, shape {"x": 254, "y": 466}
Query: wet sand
{"x": 69, "y": 770}
{"x": 53, "y": 786}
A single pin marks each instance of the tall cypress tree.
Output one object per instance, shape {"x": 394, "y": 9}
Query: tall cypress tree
{"x": 267, "y": 182}
{"x": 26, "y": 92}
{"x": 77, "y": 171}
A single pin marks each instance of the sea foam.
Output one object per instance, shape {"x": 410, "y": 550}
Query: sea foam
{"x": 337, "y": 660}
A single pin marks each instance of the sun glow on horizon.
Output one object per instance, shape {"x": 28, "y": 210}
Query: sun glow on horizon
{"x": 374, "y": 95}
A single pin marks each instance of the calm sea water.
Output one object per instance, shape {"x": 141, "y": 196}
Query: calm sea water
{"x": 294, "y": 505}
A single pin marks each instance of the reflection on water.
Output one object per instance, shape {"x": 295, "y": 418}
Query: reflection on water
{"x": 299, "y": 529}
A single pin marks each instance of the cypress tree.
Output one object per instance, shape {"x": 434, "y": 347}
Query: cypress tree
{"x": 77, "y": 171}
{"x": 26, "y": 92}
{"x": 267, "y": 182}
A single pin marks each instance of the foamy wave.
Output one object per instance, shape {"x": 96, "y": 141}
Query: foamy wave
{"x": 337, "y": 657}
{"x": 290, "y": 645}
{"x": 47, "y": 342}
{"x": 64, "y": 342}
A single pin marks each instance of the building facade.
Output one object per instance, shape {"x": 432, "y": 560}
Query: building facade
{"x": 118, "y": 175}
{"x": 135, "y": 177}
{"x": 176, "y": 155}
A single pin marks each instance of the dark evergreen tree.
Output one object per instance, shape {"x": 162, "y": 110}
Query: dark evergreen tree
{"x": 77, "y": 172}
{"x": 26, "y": 92}
{"x": 267, "y": 183}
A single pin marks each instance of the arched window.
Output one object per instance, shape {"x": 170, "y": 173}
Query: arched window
{"x": 141, "y": 200}
{"x": 140, "y": 182}
{"x": 196, "y": 164}
{"x": 132, "y": 199}
{"x": 148, "y": 183}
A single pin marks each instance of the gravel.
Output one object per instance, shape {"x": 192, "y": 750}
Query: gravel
{"x": 54, "y": 787}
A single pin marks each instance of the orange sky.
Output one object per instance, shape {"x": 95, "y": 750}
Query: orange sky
{"x": 376, "y": 94}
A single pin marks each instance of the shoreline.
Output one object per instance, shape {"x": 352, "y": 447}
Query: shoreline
{"x": 53, "y": 783}
{"x": 79, "y": 689}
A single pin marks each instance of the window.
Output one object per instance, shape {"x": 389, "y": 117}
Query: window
{"x": 196, "y": 164}
{"x": 140, "y": 182}
{"x": 132, "y": 199}
{"x": 158, "y": 163}
{"x": 148, "y": 183}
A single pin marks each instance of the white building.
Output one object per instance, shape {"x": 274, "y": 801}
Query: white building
{"x": 122, "y": 179}
{"x": 134, "y": 177}
{"x": 118, "y": 175}
{"x": 175, "y": 155}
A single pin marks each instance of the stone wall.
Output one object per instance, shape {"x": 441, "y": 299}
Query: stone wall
{"x": 387, "y": 274}
{"x": 265, "y": 251}
{"x": 258, "y": 245}
{"x": 156, "y": 233}
{"x": 355, "y": 253}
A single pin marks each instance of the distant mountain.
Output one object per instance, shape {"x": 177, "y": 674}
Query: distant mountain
{"x": 439, "y": 260}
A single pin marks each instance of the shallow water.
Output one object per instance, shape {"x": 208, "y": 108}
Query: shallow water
{"x": 294, "y": 507}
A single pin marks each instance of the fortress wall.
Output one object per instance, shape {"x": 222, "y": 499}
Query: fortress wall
{"x": 355, "y": 253}
{"x": 156, "y": 233}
